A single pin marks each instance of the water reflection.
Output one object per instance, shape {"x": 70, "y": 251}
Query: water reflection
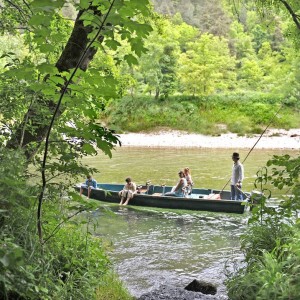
{"x": 154, "y": 247}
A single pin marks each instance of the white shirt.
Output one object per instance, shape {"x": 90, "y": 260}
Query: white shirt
{"x": 237, "y": 173}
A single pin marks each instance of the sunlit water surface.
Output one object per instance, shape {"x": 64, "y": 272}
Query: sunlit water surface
{"x": 151, "y": 247}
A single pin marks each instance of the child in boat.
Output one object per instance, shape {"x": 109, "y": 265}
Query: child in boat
{"x": 90, "y": 184}
{"x": 189, "y": 180}
{"x": 179, "y": 189}
{"x": 128, "y": 191}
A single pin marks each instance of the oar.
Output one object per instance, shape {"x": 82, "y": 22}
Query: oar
{"x": 261, "y": 135}
{"x": 247, "y": 197}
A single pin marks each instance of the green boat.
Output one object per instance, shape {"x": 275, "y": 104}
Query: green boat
{"x": 200, "y": 199}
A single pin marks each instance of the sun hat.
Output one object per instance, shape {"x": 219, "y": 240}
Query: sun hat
{"x": 235, "y": 155}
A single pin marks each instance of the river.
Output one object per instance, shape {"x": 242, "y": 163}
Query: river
{"x": 151, "y": 247}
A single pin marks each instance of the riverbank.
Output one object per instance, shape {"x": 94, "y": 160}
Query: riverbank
{"x": 272, "y": 139}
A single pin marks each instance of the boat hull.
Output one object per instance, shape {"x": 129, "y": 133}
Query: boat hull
{"x": 153, "y": 198}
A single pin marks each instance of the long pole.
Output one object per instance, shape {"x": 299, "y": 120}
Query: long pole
{"x": 255, "y": 143}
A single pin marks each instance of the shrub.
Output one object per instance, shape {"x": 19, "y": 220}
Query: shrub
{"x": 69, "y": 264}
{"x": 272, "y": 242}
{"x": 243, "y": 113}
{"x": 240, "y": 125}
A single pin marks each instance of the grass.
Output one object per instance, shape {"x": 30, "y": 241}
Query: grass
{"x": 238, "y": 113}
{"x": 112, "y": 288}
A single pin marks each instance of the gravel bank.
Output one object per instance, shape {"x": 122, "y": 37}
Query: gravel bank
{"x": 272, "y": 139}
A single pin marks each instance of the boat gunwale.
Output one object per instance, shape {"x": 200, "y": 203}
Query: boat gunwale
{"x": 107, "y": 191}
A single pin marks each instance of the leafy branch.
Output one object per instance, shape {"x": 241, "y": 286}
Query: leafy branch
{"x": 64, "y": 90}
{"x": 58, "y": 226}
{"x": 296, "y": 18}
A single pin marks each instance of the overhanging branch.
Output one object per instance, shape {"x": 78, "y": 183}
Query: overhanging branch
{"x": 295, "y": 17}
{"x": 64, "y": 90}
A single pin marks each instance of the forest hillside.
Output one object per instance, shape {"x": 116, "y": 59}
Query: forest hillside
{"x": 207, "y": 15}
{"x": 210, "y": 67}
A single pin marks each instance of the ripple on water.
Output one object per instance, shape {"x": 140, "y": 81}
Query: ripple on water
{"x": 152, "y": 248}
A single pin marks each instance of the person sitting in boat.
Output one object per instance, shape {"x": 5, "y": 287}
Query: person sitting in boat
{"x": 189, "y": 180}
{"x": 180, "y": 189}
{"x": 90, "y": 184}
{"x": 128, "y": 191}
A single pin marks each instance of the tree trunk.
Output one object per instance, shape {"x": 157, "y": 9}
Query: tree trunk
{"x": 157, "y": 92}
{"x": 39, "y": 120}
{"x": 75, "y": 47}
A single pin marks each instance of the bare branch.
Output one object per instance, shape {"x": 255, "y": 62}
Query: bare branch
{"x": 25, "y": 123}
{"x": 23, "y": 14}
{"x": 292, "y": 13}
{"x": 60, "y": 224}
{"x": 27, "y": 5}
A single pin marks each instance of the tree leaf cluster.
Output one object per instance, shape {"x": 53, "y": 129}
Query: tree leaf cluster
{"x": 51, "y": 101}
{"x": 271, "y": 243}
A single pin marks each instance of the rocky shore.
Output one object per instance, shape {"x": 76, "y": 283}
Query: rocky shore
{"x": 196, "y": 290}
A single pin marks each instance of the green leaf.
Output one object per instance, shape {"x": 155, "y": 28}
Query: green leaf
{"x": 113, "y": 44}
{"x": 125, "y": 35}
{"x": 46, "y": 48}
{"x": 47, "y": 5}
{"x": 46, "y": 68}
{"x": 44, "y": 290}
{"x": 143, "y": 29}
{"x": 37, "y": 20}
{"x": 127, "y": 11}
{"x": 5, "y": 261}
{"x": 84, "y": 4}
{"x": 49, "y": 91}
{"x": 131, "y": 59}
{"x": 104, "y": 146}
{"x": 137, "y": 46}
{"x": 57, "y": 79}
{"x": 88, "y": 149}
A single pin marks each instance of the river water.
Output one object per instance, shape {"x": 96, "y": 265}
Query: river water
{"x": 153, "y": 247}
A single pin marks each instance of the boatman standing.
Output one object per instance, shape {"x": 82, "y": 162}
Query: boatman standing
{"x": 237, "y": 178}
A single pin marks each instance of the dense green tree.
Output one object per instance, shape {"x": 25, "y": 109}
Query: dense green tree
{"x": 183, "y": 32}
{"x": 250, "y": 73}
{"x": 158, "y": 66}
{"x": 206, "y": 66}
{"x": 150, "y": 67}
{"x": 209, "y": 16}
{"x": 268, "y": 62}
{"x": 167, "y": 64}
{"x": 240, "y": 42}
